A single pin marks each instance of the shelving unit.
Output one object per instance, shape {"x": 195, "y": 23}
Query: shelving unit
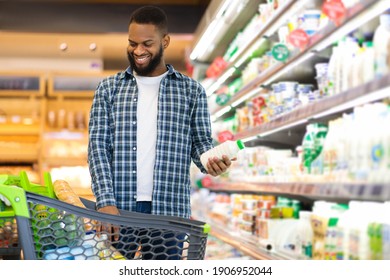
{"x": 287, "y": 129}
{"x": 65, "y": 130}
{"x": 21, "y": 109}
{"x": 44, "y": 123}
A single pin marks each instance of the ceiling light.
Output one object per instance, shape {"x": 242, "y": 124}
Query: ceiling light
{"x": 92, "y": 47}
{"x": 63, "y": 46}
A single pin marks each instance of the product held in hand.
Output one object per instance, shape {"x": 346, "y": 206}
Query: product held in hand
{"x": 228, "y": 148}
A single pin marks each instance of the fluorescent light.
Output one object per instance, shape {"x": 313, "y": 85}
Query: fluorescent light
{"x": 376, "y": 9}
{"x": 204, "y": 41}
{"x": 246, "y": 97}
{"x": 229, "y": 10}
{"x": 250, "y": 138}
{"x": 283, "y": 127}
{"x": 220, "y": 81}
{"x": 223, "y": 111}
{"x": 374, "y": 96}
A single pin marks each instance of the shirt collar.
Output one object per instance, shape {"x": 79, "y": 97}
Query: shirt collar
{"x": 129, "y": 72}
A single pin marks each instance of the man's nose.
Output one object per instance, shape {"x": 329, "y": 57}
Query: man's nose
{"x": 139, "y": 49}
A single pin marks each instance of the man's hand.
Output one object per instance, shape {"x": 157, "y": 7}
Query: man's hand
{"x": 216, "y": 166}
{"x": 107, "y": 228}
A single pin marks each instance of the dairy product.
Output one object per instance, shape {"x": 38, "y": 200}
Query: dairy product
{"x": 228, "y": 148}
{"x": 381, "y": 46}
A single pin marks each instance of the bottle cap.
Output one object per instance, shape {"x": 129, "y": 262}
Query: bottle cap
{"x": 240, "y": 144}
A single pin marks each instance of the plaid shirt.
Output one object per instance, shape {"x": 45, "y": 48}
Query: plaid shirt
{"x": 183, "y": 133}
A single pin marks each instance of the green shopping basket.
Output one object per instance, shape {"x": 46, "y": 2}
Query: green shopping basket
{"x": 9, "y": 244}
{"x": 52, "y": 229}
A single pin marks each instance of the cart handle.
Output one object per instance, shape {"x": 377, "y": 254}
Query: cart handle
{"x": 206, "y": 228}
{"x": 17, "y": 198}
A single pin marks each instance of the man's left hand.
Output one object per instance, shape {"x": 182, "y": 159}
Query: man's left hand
{"x": 216, "y": 166}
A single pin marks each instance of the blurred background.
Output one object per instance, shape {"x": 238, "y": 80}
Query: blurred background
{"x": 48, "y": 34}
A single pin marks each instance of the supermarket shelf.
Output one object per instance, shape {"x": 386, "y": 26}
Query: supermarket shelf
{"x": 330, "y": 191}
{"x": 270, "y": 75}
{"x": 240, "y": 55}
{"x": 64, "y": 161}
{"x": 369, "y": 92}
{"x": 22, "y": 83}
{"x": 14, "y": 157}
{"x": 19, "y": 129}
{"x": 246, "y": 244}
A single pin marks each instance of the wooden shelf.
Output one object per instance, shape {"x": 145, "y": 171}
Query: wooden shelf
{"x": 64, "y": 161}
{"x": 22, "y": 83}
{"x": 19, "y": 129}
{"x": 73, "y": 84}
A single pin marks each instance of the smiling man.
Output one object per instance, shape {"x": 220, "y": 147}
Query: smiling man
{"x": 147, "y": 124}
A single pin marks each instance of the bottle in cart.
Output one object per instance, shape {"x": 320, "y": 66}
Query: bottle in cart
{"x": 228, "y": 148}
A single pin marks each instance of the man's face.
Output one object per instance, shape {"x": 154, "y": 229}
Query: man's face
{"x": 146, "y": 49}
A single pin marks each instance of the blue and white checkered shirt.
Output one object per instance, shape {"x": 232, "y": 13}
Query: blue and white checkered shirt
{"x": 183, "y": 133}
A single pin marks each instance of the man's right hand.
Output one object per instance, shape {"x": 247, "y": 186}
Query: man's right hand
{"x": 107, "y": 228}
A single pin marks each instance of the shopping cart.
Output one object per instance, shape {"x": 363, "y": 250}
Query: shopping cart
{"x": 9, "y": 244}
{"x": 52, "y": 229}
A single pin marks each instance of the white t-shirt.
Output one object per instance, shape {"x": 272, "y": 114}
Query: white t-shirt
{"x": 148, "y": 88}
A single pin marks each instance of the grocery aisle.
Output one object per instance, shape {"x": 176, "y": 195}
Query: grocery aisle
{"x": 305, "y": 85}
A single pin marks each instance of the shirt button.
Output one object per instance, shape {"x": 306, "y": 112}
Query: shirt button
{"x": 135, "y": 99}
{"x": 134, "y": 148}
{"x": 135, "y": 197}
{"x": 134, "y": 171}
{"x": 134, "y": 122}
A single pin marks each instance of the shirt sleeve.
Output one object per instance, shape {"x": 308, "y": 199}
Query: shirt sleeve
{"x": 100, "y": 147}
{"x": 200, "y": 127}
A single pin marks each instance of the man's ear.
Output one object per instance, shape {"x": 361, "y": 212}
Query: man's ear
{"x": 166, "y": 40}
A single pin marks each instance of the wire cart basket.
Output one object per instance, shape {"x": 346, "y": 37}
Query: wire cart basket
{"x": 49, "y": 229}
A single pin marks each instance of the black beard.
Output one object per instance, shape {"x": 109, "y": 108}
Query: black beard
{"x": 154, "y": 62}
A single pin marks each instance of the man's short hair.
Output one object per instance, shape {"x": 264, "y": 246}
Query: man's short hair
{"x": 151, "y": 15}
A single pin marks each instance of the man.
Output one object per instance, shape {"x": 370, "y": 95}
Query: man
{"x": 146, "y": 125}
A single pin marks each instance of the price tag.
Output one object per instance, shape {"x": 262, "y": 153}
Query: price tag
{"x": 206, "y": 182}
{"x": 334, "y": 10}
{"x": 222, "y": 99}
{"x": 298, "y": 38}
{"x": 280, "y": 52}
{"x": 225, "y": 135}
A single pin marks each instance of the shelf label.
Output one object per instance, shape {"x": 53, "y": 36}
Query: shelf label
{"x": 280, "y": 52}
{"x": 298, "y": 38}
{"x": 225, "y": 135}
{"x": 19, "y": 83}
{"x": 222, "y": 99}
{"x": 334, "y": 10}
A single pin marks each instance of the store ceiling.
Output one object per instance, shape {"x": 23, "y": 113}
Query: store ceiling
{"x": 37, "y": 28}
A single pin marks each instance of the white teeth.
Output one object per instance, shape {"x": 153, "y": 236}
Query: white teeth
{"x": 141, "y": 59}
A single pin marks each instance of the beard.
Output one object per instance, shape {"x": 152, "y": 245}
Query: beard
{"x": 148, "y": 69}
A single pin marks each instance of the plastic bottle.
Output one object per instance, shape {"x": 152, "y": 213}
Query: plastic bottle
{"x": 308, "y": 147}
{"x": 381, "y": 46}
{"x": 317, "y": 165}
{"x": 330, "y": 151}
{"x": 228, "y": 148}
{"x": 350, "y": 50}
{"x": 386, "y": 233}
{"x": 368, "y": 66}
{"x": 304, "y": 236}
{"x": 332, "y": 70}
